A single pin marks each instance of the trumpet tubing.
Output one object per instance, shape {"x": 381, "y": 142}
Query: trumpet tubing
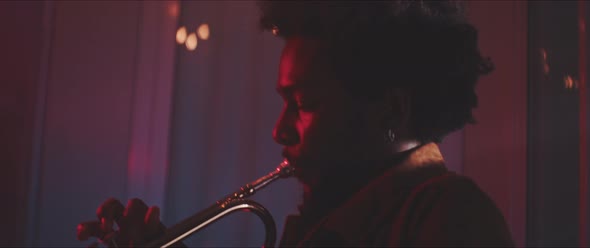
{"x": 231, "y": 203}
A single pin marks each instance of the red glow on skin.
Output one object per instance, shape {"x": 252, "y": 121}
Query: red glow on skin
{"x": 290, "y": 87}
{"x": 320, "y": 127}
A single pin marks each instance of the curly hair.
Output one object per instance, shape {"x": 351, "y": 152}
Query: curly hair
{"x": 424, "y": 47}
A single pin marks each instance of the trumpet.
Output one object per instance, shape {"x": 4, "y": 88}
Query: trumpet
{"x": 227, "y": 205}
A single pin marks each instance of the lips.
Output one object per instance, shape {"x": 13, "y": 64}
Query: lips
{"x": 302, "y": 173}
{"x": 293, "y": 159}
{"x": 289, "y": 156}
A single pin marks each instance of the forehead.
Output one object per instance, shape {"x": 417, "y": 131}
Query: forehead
{"x": 302, "y": 66}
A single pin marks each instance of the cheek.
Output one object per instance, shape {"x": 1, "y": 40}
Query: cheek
{"x": 305, "y": 126}
{"x": 322, "y": 132}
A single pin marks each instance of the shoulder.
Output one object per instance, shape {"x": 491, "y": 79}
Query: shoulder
{"x": 453, "y": 196}
{"x": 452, "y": 209}
{"x": 456, "y": 193}
{"x": 451, "y": 185}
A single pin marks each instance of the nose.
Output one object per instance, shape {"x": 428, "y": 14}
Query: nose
{"x": 285, "y": 132}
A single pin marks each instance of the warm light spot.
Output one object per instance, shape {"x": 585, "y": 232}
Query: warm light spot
{"x": 181, "y": 35}
{"x": 191, "y": 42}
{"x": 568, "y": 82}
{"x": 275, "y": 30}
{"x": 544, "y": 61}
{"x": 203, "y": 31}
{"x": 173, "y": 9}
{"x": 546, "y": 69}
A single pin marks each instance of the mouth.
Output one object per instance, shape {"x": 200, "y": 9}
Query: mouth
{"x": 293, "y": 160}
{"x": 304, "y": 171}
{"x": 289, "y": 157}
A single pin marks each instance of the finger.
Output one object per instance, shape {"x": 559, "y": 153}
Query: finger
{"x": 110, "y": 209}
{"x": 132, "y": 225}
{"x": 106, "y": 225}
{"x": 135, "y": 211}
{"x": 152, "y": 217}
{"x": 88, "y": 229}
{"x": 154, "y": 227}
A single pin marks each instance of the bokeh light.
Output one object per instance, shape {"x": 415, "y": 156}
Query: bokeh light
{"x": 203, "y": 31}
{"x": 181, "y": 35}
{"x": 191, "y": 42}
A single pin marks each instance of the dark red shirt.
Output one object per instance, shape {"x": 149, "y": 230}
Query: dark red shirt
{"x": 417, "y": 203}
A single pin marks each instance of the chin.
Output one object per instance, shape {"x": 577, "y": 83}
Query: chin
{"x": 308, "y": 170}
{"x": 309, "y": 177}
{"x": 308, "y": 182}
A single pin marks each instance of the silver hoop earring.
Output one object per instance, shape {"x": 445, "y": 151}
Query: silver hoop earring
{"x": 389, "y": 136}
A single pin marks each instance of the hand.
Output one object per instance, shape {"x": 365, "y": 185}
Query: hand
{"x": 137, "y": 224}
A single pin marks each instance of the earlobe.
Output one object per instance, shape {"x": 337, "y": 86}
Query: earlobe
{"x": 389, "y": 136}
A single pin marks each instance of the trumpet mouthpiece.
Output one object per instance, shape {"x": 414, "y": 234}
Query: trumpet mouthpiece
{"x": 285, "y": 169}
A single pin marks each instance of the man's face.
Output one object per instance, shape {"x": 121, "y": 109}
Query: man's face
{"x": 321, "y": 127}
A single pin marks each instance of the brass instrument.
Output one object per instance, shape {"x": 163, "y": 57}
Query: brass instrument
{"x": 227, "y": 205}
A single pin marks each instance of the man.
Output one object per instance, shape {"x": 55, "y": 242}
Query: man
{"x": 368, "y": 90}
